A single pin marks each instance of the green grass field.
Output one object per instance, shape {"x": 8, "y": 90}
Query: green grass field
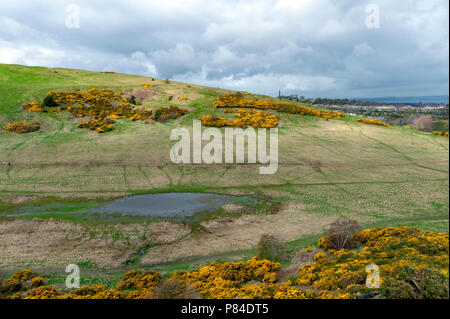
{"x": 329, "y": 169}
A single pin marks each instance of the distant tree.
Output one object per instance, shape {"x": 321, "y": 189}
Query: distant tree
{"x": 423, "y": 123}
{"x": 441, "y": 125}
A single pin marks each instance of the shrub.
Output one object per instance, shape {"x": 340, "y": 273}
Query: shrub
{"x": 423, "y": 123}
{"x": 87, "y": 291}
{"x": 350, "y": 279}
{"x": 441, "y": 133}
{"x": 132, "y": 100}
{"x": 372, "y": 122}
{"x": 233, "y": 101}
{"x": 158, "y": 113}
{"x": 23, "y": 127}
{"x": 320, "y": 257}
{"x": 49, "y": 101}
{"x": 100, "y": 125}
{"x": 24, "y": 275}
{"x": 269, "y": 247}
{"x": 37, "y": 282}
{"x": 135, "y": 279}
{"x": 391, "y": 248}
{"x": 341, "y": 236}
{"x": 12, "y": 285}
{"x": 43, "y": 292}
{"x": 244, "y": 118}
{"x": 413, "y": 283}
{"x": 174, "y": 288}
{"x": 34, "y": 107}
{"x": 101, "y": 106}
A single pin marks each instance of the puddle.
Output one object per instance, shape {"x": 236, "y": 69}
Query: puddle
{"x": 169, "y": 204}
{"x": 177, "y": 206}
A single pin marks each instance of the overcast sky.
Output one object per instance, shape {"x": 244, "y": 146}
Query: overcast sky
{"x": 327, "y": 48}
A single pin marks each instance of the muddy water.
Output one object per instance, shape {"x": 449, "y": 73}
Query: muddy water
{"x": 169, "y": 204}
{"x": 175, "y": 206}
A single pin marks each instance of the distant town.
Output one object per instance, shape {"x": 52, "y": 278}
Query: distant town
{"x": 424, "y": 116}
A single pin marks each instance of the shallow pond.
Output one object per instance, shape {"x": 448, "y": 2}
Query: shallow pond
{"x": 179, "y": 206}
{"x": 169, "y": 204}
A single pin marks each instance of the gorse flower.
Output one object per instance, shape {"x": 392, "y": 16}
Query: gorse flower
{"x": 372, "y": 122}
{"x": 243, "y": 118}
{"x": 103, "y": 106}
{"x": 441, "y": 133}
{"x": 233, "y": 101}
{"x": 334, "y": 274}
{"x": 23, "y": 127}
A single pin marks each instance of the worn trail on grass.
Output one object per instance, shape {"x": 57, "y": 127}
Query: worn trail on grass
{"x": 93, "y": 164}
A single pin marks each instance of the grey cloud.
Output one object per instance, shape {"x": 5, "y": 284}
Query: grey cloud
{"x": 309, "y": 47}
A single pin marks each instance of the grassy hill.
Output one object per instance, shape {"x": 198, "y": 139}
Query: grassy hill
{"x": 329, "y": 169}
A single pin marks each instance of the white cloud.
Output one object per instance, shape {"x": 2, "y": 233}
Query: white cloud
{"x": 9, "y": 55}
{"x": 310, "y": 47}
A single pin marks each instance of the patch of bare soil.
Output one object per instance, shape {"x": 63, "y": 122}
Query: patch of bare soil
{"x": 49, "y": 243}
{"x": 239, "y": 233}
{"x": 23, "y": 199}
{"x": 142, "y": 94}
{"x": 233, "y": 208}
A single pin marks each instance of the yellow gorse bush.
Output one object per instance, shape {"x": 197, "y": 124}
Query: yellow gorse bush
{"x": 387, "y": 247}
{"x": 243, "y": 118}
{"x": 228, "y": 280}
{"x": 233, "y": 101}
{"x": 23, "y": 127}
{"x": 136, "y": 279}
{"x": 372, "y": 122}
{"x": 101, "y": 125}
{"x": 43, "y": 292}
{"x": 17, "y": 282}
{"x": 37, "y": 281}
{"x": 255, "y": 117}
{"x": 34, "y": 107}
{"x": 440, "y": 133}
{"x": 102, "y": 106}
{"x": 335, "y": 274}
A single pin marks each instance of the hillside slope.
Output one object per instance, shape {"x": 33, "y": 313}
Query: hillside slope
{"x": 328, "y": 168}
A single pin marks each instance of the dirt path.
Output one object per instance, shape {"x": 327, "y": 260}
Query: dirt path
{"x": 95, "y": 164}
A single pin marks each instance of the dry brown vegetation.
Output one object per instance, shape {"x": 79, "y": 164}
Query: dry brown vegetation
{"x": 48, "y": 243}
